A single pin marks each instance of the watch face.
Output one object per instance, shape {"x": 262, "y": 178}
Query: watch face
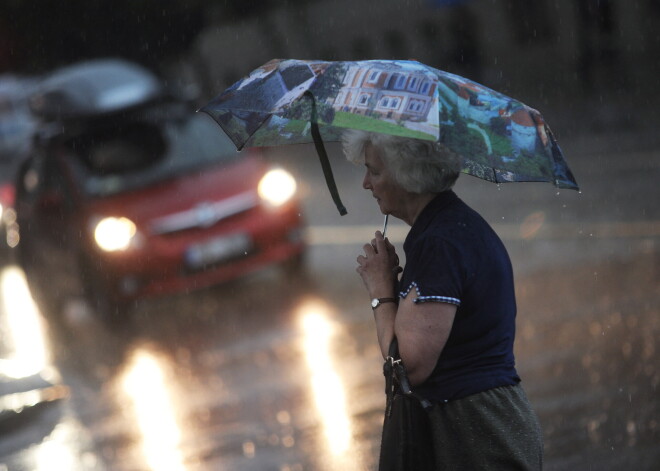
{"x": 375, "y": 302}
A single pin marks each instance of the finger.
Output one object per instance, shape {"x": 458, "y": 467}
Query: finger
{"x": 381, "y": 244}
{"x": 369, "y": 249}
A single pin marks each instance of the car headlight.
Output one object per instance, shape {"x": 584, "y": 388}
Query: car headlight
{"x": 114, "y": 234}
{"x": 277, "y": 187}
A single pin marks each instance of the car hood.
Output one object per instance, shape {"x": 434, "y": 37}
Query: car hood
{"x": 199, "y": 189}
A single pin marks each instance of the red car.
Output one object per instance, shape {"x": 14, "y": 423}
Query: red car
{"x": 150, "y": 201}
{"x": 8, "y": 226}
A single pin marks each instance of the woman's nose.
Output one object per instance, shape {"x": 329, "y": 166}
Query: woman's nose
{"x": 366, "y": 184}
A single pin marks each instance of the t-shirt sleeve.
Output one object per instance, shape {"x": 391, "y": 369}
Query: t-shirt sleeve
{"x": 433, "y": 270}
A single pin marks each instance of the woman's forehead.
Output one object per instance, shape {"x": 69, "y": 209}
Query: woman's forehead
{"x": 372, "y": 155}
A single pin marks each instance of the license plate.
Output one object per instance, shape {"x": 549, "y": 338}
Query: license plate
{"x": 217, "y": 250}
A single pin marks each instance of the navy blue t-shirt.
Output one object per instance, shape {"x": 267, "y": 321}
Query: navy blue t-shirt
{"x": 454, "y": 256}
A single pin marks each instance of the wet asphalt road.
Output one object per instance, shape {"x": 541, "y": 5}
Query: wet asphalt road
{"x": 268, "y": 374}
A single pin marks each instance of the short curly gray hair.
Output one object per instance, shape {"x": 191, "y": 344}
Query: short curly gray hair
{"x": 418, "y": 166}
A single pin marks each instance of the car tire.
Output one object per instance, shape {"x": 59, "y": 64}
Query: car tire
{"x": 47, "y": 295}
{"x": 48, "y": 300}
{"x": 110, "y": 310}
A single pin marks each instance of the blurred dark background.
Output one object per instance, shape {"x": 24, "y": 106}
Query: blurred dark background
{"x": 548, "y": 53}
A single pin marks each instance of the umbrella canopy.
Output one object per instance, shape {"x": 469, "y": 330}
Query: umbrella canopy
{"x": 294, "y": 101}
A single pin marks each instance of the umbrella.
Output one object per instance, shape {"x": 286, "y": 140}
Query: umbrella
{"x": 289, "y": 101}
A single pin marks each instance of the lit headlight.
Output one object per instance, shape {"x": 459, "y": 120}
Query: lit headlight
{"x": 277, "y": 187}
{"x": 113, "y": 234}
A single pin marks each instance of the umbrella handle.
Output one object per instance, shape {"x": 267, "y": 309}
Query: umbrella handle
{"x": 323, "y": 157}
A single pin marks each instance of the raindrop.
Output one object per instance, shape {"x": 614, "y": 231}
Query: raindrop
{"x": 288, "y": 441}
{"x": 283, "y": 417}
{"x": 248, "y": 449}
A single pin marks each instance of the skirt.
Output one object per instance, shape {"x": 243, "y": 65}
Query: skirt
{"x": 492, "y": 430}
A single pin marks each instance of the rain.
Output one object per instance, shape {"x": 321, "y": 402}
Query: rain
{"x": 211, "y": 325}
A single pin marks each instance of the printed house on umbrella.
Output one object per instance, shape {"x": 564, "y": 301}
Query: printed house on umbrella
{"x": 392, "y": 94}
{"x": 480, "y": 107}
{"x": 273, "y": 87}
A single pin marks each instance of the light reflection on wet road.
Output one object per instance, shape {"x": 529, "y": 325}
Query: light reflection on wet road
{"x": 268, "y": 375}
{"x": 25, "y": 340}
{"x": 327, "y": 388}
{"x": 146, "y": 385}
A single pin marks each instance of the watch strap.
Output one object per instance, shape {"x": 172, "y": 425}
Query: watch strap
{"x": 374, "y": 304}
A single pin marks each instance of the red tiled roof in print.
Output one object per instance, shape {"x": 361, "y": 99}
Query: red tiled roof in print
{"x": 540, "y": 126}
{"x": 270, "y": 65}
{"x": 472, "y": 86}
{"x": 536, "y": 116}
{"x": 318, "y": 67}
{"x": 522, "y": 118}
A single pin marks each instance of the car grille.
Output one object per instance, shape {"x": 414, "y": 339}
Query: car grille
{"x": 205, "y": 214}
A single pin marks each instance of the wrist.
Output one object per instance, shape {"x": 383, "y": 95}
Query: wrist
{"x": 377, "y": 302}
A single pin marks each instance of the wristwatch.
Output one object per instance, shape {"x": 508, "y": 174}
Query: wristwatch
{"x": 378, "y": 301}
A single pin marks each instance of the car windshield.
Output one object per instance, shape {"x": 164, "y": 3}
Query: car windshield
{"x": 185, "y": 144}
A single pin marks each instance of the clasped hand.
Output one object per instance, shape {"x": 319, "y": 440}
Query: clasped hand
{"x": 379, "y": 267}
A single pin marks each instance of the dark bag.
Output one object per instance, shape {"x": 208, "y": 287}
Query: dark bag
{"x": 406, "y": 443}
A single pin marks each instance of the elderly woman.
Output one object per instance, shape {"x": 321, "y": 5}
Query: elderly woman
{"x": 453, "y": 310}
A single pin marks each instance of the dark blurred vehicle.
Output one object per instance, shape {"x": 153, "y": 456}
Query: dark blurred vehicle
{"x": 129, "y": 194}
{"x": 17, "y": 126}
{"x": 16, "y": 121}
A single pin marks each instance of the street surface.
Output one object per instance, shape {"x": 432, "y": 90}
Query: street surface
{"x": 271, "y": 374}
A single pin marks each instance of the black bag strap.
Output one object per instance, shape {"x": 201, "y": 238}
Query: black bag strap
{"x": 396, "y": 377}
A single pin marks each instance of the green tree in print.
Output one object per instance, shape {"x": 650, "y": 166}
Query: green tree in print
{"x": 444, "y": 114}
{"x": 324, "y": 89}
{"x": 328, "y": 82}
